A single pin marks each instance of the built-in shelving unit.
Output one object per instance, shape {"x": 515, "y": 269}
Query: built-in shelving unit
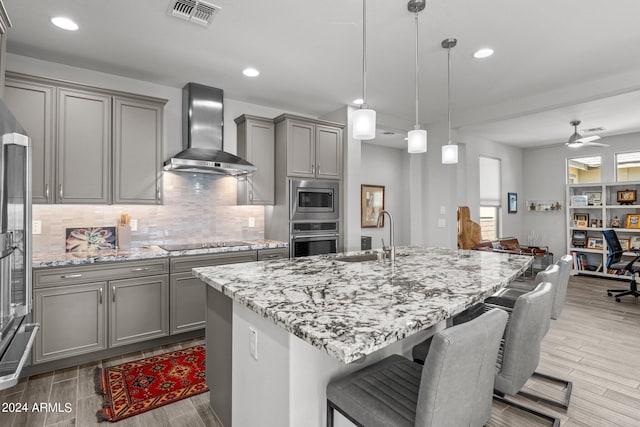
{"x": 601, "y": 212}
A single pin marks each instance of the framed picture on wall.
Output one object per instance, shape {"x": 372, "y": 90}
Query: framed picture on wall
{"x": 512, "y": 202}
{"x": 371, "y": 204}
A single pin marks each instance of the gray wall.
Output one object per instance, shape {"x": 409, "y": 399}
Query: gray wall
{"x": 545, "y": 169}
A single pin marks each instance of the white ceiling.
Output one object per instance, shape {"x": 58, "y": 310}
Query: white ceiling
{"x": 555, "y": 61}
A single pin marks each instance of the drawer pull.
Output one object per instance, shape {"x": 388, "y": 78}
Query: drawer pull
{"x": 113, "y": 292}
{"x": 100, "y": 300}
{"x": 273, "y": 256}
{"x": 71, "y": 276}
{"x": 140, "y": 269}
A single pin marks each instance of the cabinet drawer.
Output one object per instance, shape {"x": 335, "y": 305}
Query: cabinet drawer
{"x": 57, "y": 276}
{"x": 266, "y": 254}
{"x": 186, "y": 263}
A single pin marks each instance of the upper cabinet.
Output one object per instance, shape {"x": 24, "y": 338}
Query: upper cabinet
{"x": 137, "y": 150}
{"x": 5, "y": 23}
{"x": 256, "y": 144}
{"x": 313, "y": 147}
{"x": 89, "y": 145}
{"x": 84, "y": 141}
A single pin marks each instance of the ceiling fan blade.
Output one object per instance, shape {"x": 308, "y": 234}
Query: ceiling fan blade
{"x": 588, "y": 138}
{"x": 596, "y": 144}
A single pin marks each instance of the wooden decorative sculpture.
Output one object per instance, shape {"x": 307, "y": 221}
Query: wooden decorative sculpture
{"x": 468, "y": 231}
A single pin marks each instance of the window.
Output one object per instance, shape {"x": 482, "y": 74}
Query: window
{"x": 490, "y": 201}
{"x": 583, "y": 170}
{"x": 628, "y": 166}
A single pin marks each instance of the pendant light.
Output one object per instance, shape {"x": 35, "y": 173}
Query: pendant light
{"x": 364, "y": 119}
{"x": 449, "y": 151}
{"x": 417, "y": 138}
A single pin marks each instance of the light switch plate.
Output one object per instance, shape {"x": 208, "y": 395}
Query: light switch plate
{"x": 442, "y": 223}
{"x": 134, "y": 225}
{"x": 36, "y": 226}
{"x": 443, "y": 210}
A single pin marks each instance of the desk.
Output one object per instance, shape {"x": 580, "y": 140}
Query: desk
{"x": 317, "y": 318}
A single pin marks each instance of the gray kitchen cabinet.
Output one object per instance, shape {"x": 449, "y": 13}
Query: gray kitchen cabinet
{"x": 84, "y": 146}
{"x": 275, "y": 253}
{"x": 137, "y": 141}
{"x": 72, "y": 320}
{"x": 256, "y": 144}
{"x": 86, "y": 308}
{"x": 188, "y": 294}
{"x": 5, "y": 23}
{"x": 313, "y": 147}
{"x": 138, "y": 310}
{"x": 33, "y": 104}
{"x": 90, "y": 145}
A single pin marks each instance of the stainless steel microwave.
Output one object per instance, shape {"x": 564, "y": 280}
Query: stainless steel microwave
{"x": 314, "y": 200}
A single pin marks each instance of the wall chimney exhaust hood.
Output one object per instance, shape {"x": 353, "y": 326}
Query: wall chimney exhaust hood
{"x": 202, "y": 136}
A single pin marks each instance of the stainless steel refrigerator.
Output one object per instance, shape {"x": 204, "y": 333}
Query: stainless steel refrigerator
{"x": 16, "y": 333}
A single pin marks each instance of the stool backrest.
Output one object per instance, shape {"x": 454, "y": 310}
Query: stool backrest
{"x": 527, "y": 327}
{"x": 564, "y": 264}
{"x": 456, "y": 387}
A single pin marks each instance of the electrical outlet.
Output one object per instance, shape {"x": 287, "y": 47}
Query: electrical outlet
{"x": 253, "y": 343}
{"x": 134, "y": 225}
{"x": 36, "y": 226}
{"x": 442, "y": 223}
{"x": 252, "y": 222}
{"x": 443, "y": 210}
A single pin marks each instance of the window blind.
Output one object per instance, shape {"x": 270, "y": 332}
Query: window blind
{"x": 489, "y": 182}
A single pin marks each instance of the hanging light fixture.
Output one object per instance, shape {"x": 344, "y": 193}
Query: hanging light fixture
{"x": 417, "y": 138}
{"x": 449, "y": 151}
{"x": 364, "y": 119}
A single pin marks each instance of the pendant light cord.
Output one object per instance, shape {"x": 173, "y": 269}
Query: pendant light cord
{"x": 449, "y": 92}
{"x": 364, "y": 54}
{"x": 417, "y": 126}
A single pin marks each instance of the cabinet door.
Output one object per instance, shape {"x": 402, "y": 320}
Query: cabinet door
{"x": 301, "y": 149}
{"x": 32, "y": 105}
{"x": 72, "y": 320}
{"x": 188, "y": 302}
{"x": 260, "y": 150}
{"x": 137, "y": 138}
{"x": 139, "y": 309}
{"x": 328, "y": 152}
{"x": 84, "y": 135}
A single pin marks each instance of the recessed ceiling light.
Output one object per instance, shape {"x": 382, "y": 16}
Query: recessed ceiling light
{"x": 64, "y": 23}
{"x": 483, "y": 53}
{"x": 358, "y": 101}
{"x": 251, "y": 72}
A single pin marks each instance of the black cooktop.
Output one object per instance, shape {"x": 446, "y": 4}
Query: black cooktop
{"x": 190, "y": 246}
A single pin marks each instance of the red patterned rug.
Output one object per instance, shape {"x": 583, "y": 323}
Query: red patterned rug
{"x": 145, "y": 384}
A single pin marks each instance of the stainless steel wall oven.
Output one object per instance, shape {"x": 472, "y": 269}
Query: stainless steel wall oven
{"x": 314, "y": 238}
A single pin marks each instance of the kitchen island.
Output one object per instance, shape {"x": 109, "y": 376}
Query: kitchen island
{"x": 279, "y": 331}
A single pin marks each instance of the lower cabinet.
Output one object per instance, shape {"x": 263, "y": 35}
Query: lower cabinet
{"x": 188, "y": 303}
{"x": 139, "y": 309}
{"x": 72, "y": 320}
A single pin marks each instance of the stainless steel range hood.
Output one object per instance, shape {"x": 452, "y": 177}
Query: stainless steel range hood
{"x": 202, "y": 136}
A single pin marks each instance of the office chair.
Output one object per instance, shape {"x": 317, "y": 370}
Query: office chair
{"x": 614, "y": 262}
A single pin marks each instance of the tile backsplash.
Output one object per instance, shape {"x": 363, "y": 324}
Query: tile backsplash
{"x": 197, "y": 208}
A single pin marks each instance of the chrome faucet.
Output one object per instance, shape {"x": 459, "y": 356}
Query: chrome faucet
{"x": 390, "y": 251}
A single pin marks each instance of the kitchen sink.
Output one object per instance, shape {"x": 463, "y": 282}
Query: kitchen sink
{"x": 357, "y": 258}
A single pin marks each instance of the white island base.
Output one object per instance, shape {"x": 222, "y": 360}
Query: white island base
{"x": 285, "y": 385}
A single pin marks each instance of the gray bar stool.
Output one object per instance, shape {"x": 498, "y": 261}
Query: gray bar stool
{"x": 453, "y": 389}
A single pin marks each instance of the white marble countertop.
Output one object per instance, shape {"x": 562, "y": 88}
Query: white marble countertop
{"x": 63, "y": 259}
{"x": 351, "y": 309}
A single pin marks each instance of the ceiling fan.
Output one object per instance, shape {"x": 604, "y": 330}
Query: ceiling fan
{"x": 576, "y": 140}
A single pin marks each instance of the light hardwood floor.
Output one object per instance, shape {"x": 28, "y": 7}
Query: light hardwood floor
{"x": 595, "y": 344}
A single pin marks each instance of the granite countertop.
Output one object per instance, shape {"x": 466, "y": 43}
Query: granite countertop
{"x": 63, "y": 259}
{"x": 351, "y": 309}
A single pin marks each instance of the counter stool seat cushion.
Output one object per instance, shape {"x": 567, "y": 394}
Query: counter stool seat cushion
{"x": 383, "y": 394}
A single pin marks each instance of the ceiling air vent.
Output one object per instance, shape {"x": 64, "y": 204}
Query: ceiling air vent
{"x": 195, "y": 11}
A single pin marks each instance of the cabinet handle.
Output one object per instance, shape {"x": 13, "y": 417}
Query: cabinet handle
{"x": 60, "y": 191}
{"x": 313, "y": 168}
{"x": 158, "y": 195}
{"x": 273, "y": 256}
{"x": 71, "y": 276}
{"x": 139, "y": 269}
{"x": 46, "y": 191}
{"x": 318, "y": 168}
{"x": 251, "y": 196}
{"x": 113, "y": 292}
{"x": 100, "y": 300}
